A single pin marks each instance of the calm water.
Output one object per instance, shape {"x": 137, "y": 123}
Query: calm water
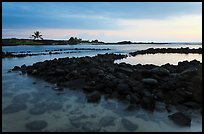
{"x": 69, "y": 111}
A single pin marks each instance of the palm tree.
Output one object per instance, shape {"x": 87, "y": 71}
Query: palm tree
{"x": 37, "y": 35}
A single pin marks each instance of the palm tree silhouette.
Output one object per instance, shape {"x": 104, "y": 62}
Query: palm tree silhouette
{"x": 37, "y": 35}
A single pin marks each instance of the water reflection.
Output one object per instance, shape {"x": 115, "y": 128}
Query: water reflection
{"x": 160, "y": 59}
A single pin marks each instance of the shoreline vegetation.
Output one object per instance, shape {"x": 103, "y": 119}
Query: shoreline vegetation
{"x": 138, "y": 86}
{"x": 71, "y": 41}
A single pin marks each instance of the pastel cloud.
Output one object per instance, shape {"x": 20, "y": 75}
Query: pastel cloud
{"x": 105, "y": 21}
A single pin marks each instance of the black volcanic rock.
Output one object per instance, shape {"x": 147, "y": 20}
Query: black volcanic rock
{"x": 180, "y": 119}
{"x": 135, "y": 84}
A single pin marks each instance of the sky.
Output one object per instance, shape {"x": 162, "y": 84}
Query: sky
{"x": 105, "y": 21}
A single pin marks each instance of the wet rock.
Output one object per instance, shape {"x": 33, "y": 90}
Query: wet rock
{"x": 127, "y": 71}
{"x": 134, "y": 99}
{"x": 16, "y": 68}
{"x": 89, "y": 88}
{"x": 160, "y": 71}
{"x": 129, "y": 125}
{"x": 146, "y": 73}
{"x": 14, "y": 107}
{"x": 23, "y": 66}
{"x": 193, "y": 105}
{"x": 93, "y": 71}
{"x": 149, "y": 81}
{"x": 123, "y": 88}
{"x": 148, "y": 102}
{"x": 75, "y": 84}
{"x": 59, "y": 71}
{"x": 58, "y": 88}
{"x": 110, "y": 77}
{"x": 180, "y": 119}
{"x": 94, "y": 97}
{"x": 90, "y": 127}
{"x": 34, "y": 71}
{"x": 190, "y": 71}
{"x": 36, "y": 125}
{"x": 107, "y": 121}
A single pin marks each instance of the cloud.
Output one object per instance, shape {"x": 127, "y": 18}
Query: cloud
{"x": 136, "y": 21}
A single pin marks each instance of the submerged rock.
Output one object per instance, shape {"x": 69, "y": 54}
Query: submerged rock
{"x": 14, "y": 107}
{"x": 42, "y": 107}
{"x": 90, "y": 127}
{"x": 22, "y": 98}
{"x": 107, "y": 121}
{"x": 129, "y": 125}
{"x": 36, "y": 125}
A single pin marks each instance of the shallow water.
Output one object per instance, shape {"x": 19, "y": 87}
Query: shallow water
{"x": 69, "y": 111}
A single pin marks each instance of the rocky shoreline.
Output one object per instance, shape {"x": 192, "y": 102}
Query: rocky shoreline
{"x": 186, "y": 50}
{"x": 47, "y": 52}
{"x": 137, "y": 85}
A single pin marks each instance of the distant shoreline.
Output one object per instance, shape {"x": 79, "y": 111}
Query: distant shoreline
{"x": 22, "y": 42}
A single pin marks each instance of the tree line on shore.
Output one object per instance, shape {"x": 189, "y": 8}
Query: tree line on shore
{"x": 38, "y": 40}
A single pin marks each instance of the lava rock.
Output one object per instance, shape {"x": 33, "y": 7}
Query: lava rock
{"x": 148, "y": 102}
{"x": 94, "y": 97}
{"x": 36, "y": 125}
{"x": 180, "y": 119}
{"x": 160, "y": 71}
{"x": 149, "y": 81}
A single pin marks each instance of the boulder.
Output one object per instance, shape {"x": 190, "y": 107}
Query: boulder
{"x": 190, "y": 71}
{"x": 160, "y": 71}
{"x": 127, "y": 71}
{"x": 93, "y": 97}
{"x": 59, "y": 71}
{"x": 123, "y": 88}
{"x": 16, "y": 68}
{"x": 34, "y": 71}
{"x": 149, "y": 81}
{"x": 93, "y": 71}
{"x": 146, "y": 73}
{"x": 180, "y": 119}
{"x": 192, "y": 105}
{"x": 148, "y": 103}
